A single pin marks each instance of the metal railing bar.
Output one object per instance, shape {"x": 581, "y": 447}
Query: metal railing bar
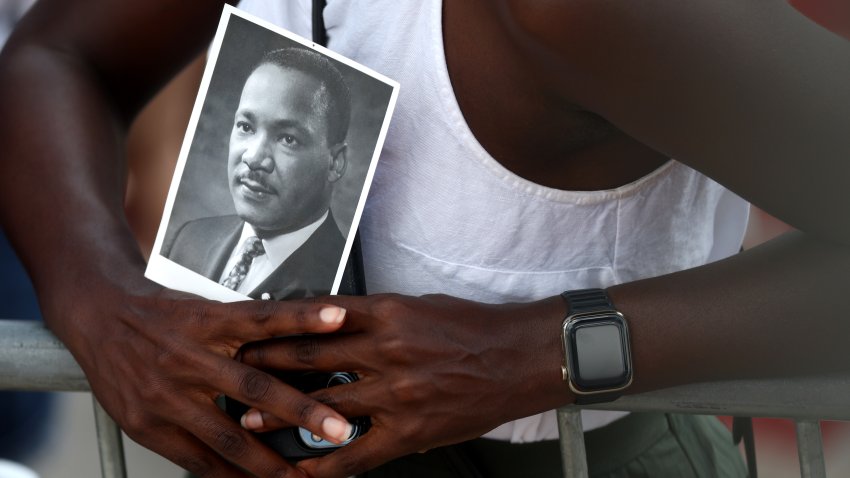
{"x": 573, "y": 454}
{"x": 33, "y": 359}
{"x": 109, "y": 444}
{"x": 810, "y": 449}
{"x": 774, "y": 398}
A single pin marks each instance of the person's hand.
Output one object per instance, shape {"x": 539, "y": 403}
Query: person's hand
{"x": 157, "y": 359}
{"x": 433, "y": 371}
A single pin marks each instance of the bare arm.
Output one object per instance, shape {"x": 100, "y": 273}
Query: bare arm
{"x": 71, "y": 79}
{"x": 731, "y": 88}
{"x": 752, "y": 94}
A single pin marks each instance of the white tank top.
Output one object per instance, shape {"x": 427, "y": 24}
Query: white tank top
{"x": 444, "y": 217}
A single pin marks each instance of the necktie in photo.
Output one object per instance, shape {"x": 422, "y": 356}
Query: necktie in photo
{"x": 251, "y": 248}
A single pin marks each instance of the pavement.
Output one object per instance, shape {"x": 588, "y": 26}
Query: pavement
{"x": 71, "y": 450}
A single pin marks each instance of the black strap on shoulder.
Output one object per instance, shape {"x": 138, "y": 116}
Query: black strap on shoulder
{"x": 320, "y": 35}
{"x": 353, "y": 280}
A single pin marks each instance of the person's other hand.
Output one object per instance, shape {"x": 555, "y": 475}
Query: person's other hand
{"x": 433, "y": 371}
{"x": 158, "y": 365}
{"x": 832, "y": 14}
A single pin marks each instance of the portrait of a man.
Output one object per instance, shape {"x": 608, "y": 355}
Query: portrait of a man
{"x": 287, "y": 150}
{"x": 269, "y": 219}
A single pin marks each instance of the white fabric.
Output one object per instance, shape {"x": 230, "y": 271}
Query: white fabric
{"x": 444, "y": 217}
{"x": 10, "y": 469}
{"x": 278, "y": 249}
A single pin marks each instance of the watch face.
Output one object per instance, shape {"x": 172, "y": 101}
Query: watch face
{"x": 599, "y": 357}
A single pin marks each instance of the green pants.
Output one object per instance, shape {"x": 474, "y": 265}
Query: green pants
{"x": 640, "y": 445}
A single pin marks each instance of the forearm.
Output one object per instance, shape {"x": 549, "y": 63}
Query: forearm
{"x": 65, "y": 102}
{"x": 773, "y": 311}
{"x": 62, "y": 180}
{"x": 70, "y": 81}
{"x": 776, "y": 310}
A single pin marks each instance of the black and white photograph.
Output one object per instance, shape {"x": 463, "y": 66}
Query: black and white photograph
{"x": 274, "y": 170}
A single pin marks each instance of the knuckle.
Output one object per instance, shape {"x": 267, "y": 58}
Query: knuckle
{"x": 152, "y": 394}
{"x": 281, "y": 472}
{"x": 307, "y": 350}
{"x": 264, "y": 311}
{"x": 304, "y": 410}
{"x": 388, "y": 305}
{"x": 164, "y": 358}
{"x": 253, "y": 355}
{"x": 395, "y": 350}
{"x": 408, "y": 391}
{"x": 157, "y": 302}
{"x": 169, "y": 357}
{"x": 197, "y": 313}
{"x": 136, "y": 423}
{"x": 194, "y": 464}
{"x": 326, "y": 398}
{"x": 255, "y": 386}
{"x": 412, "y": 434}
{"x": 230, "y": 443}
{"x": 301, "y": 317}
{"x": 273, "y": 470}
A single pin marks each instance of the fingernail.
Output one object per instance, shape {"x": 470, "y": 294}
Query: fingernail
{"x": 252, "y": 420}
{"x": 336, "y": 429}
{"x": 332, "y": 315}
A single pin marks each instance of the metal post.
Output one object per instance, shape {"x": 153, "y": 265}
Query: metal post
{"x": 810, "y": 449}
{"x": 573, "y": 456}
{"x": 109, "y": 444}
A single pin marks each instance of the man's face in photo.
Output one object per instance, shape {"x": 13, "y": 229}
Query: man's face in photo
{"x": 280, "y": 163}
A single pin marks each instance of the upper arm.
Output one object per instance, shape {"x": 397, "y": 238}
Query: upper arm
{"x": 72, "y": 76}
{"x": 129, "y": 48}
{"x": 749, "y": 92}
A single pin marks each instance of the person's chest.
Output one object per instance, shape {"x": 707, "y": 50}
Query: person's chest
{"x": 532, "y": 131}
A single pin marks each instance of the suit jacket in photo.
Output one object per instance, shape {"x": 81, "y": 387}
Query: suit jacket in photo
{"x": 204, "y": 246}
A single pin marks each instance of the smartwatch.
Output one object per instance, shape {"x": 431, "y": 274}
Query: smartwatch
{"x": 597, "y": 357}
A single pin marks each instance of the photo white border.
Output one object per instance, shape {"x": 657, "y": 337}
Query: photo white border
{"x": 170, "y": 274}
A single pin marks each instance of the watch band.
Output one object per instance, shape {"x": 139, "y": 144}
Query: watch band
{"x": 587, "y": 300}
{"x": 583, "y": 301}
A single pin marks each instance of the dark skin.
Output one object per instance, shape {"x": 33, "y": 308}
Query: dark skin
{"x": 750, "y": 93}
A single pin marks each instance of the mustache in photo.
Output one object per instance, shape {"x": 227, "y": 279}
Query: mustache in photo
{"x": 255, "y": 176}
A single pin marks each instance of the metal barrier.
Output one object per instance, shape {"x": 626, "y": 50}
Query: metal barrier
{"x": 31, "y": 358}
